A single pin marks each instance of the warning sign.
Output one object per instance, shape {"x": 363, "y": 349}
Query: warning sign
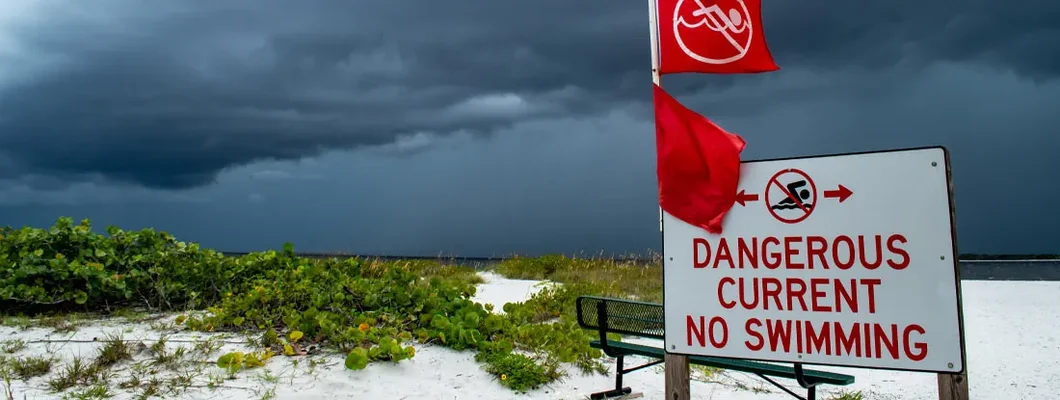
{"x": 791, "y": 195}
{"x": 720, "y": 33}
{"x": 843, "y": 260}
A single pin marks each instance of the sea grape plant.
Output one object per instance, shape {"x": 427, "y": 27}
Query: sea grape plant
{"x": 369, "y": 310}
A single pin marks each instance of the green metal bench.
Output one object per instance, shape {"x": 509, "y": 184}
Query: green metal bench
{"x": 643, "y": 319}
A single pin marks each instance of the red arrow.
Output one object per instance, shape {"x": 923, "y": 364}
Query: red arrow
{"x": 842, "y": 193}
{"x": 744, "y": 198}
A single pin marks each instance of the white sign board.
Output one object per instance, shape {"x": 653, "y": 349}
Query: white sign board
{"x": 844, "y": 260}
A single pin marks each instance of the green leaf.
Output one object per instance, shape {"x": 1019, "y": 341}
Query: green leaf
{"x": 375, "y": 352}
{"x": 440, "y": 322}
{"x": 357, "y": 359}
{"x": 80, "y": 297}
{"x": 231, "y": 360}
{"x": 471, "y": 320}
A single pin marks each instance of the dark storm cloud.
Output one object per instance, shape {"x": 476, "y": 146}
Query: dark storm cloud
{"x": 166, "y": 95}
{"x": 1012, "y": 35}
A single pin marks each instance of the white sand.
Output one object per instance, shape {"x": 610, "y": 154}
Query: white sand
{"x": 499, "y": 290}
{"x": 1013, "y": 353}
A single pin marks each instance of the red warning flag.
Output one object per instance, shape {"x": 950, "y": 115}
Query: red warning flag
{"x": 698, "y": 164}
{"x": 713, "y": 37}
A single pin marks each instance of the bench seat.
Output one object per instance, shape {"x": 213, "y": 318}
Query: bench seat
{"x": 645, "y": 319}
{"x": 753, "y": 367}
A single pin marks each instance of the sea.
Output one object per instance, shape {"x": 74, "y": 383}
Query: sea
{"x": 1010, "y": 270}
{"x": 971, "y": 270}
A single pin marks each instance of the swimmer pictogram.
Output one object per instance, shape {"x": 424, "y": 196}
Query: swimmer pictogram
{"x": 791, "y": 196}
{"x": 729, "y": 20}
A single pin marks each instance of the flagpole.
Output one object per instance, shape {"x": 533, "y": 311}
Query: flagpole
{"x": 653, "y": 24}
{"x": 653, "y": 27}
{"x": 675, "y": 366}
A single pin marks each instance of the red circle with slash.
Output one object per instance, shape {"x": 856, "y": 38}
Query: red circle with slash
{"x": 804, "y": 209}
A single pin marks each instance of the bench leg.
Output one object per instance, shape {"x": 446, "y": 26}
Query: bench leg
{"x": 811, "y": 391}
{"x": 618, "y": 390}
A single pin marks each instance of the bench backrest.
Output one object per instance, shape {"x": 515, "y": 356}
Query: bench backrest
{"x": 626, "y": 317}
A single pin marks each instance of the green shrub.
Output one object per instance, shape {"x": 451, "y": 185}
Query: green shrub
{"x": 520, "y": 372}
{"x": 70, "y": 265}
{"x": 596, "y": 276}
{"x": 367, "y": 309}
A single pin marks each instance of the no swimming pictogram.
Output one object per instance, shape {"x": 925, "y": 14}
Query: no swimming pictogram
{"x": 729, "y": 20}
{"x": 791, "y": 196}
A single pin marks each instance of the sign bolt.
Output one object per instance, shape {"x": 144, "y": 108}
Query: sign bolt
{"x": 672, "y": 347}
{"x": 949, "y": 365}
{"x": 934, "y": 164}
{"x": 942, "y": 257}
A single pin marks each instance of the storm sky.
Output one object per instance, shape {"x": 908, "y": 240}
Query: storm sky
{"x": 480, "y": 127}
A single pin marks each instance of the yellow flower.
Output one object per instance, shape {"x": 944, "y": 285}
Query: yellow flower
{"x": 504, "y": 377}
{"x": 363, "y": 327}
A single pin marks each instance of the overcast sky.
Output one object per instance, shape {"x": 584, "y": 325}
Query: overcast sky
{"x": 484, "y": 127}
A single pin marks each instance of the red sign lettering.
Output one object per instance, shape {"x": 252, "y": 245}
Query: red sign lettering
{"x": 798, "y": 252}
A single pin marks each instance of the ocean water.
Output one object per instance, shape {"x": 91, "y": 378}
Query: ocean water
{"x": 1030, "y": 270}
{"x": 971, "y": 270}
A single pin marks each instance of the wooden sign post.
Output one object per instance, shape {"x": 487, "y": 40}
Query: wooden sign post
{"x": 678, "y": 377}
{"x": 954, "y": 386}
